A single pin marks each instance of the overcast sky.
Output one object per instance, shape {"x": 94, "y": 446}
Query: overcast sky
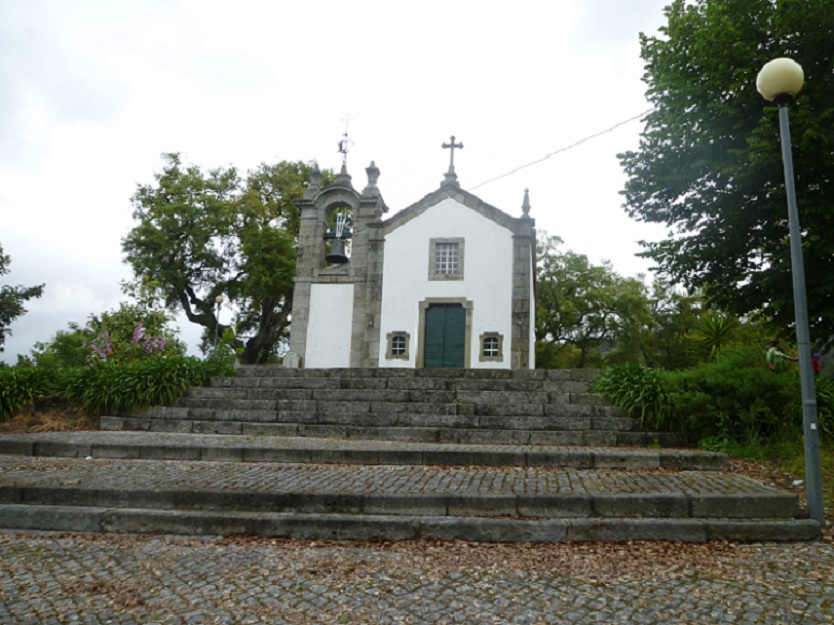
{"x": 92, "y": 92}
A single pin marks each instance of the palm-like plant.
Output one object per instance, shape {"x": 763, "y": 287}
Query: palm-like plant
{"x": 713, "y": 331}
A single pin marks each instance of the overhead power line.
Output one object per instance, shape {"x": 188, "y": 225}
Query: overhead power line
{"x": 564, "y": 149}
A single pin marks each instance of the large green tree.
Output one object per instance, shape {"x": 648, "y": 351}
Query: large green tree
{"x": 12, "y": 299}
{"x": 207, "y": 234}
{"x": 581, "y": 309}
{"x": 709, "y": 164}
{"x": 660, "y": 334}
{"x": 588, "y": 316}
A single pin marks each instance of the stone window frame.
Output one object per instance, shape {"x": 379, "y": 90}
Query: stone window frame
{"x": 434, "y": 274}
{"x": 398, "y": 334}
{"x": 490, "y": 336}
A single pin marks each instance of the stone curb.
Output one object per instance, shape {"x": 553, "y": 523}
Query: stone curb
{"x": 365, "y": 527}
{"x": 570, "y": 505}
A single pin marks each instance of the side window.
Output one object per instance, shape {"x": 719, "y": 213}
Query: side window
{"x": 398, "y": 344}
{"x": 446, "y": 259}
{"x": 492, "y": 347}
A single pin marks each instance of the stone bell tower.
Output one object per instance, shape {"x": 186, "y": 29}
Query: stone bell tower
{"x": 337, "y": 307}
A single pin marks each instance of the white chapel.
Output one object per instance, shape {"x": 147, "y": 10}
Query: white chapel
{"x": 446, "y": 282}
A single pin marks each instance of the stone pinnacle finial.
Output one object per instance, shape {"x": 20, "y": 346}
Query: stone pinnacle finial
{"x": 525, "y": 206}
{"x": 343, "y": 178}
{"x": 315, "y": 182}
{"x": 373, "y": 175}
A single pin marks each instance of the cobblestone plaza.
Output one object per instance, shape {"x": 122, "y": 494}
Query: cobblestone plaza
{"x": 50, "y": 578}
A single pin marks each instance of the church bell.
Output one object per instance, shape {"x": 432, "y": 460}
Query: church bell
{"x": 337, "y": 235}
{"x": 337, "y": 256}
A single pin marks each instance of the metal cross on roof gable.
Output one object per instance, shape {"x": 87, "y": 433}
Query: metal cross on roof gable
{"x": 451, "y": 146}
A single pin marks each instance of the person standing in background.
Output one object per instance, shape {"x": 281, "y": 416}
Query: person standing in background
{"x": 776, "y": 357}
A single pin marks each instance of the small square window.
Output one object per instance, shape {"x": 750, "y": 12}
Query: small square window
{"x": 492, "y": 347}
{"x": 397, "y": 346}
{"x": 446, "y": 259}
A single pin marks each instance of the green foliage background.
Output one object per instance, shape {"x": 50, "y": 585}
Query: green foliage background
{"x": 12, "y": 299}
{"x": 589, "y": 316}
{"x": 110, "y": 387}
{"x": 709, "y": 164}
{"x": 121, "y": 359}
{"x": 731, "y": 400}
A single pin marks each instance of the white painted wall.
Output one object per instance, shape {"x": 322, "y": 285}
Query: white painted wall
{"x": 329, "y": 329}
{"x": 488, "y": 265}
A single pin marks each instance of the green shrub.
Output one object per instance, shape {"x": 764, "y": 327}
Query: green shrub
{"x": 732, "y": 400}
{"x": 736, "y": 397}
{"x": 108, "y": 386}
{"x": 158, "y": 381}
{"x": 20, "y": 386}
{"x": 222, "y": 361}
{"x": 640, "y": 391}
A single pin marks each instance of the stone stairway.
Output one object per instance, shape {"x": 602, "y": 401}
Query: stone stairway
{"x": 395, "y": 454}
{"x": 498, "y": 407}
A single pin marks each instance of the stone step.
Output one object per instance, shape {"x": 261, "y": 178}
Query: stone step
{"x": 403, "y": 384}
{"x": 433, "y": 434}
{"x": 642, "y": 505}
{"x": 393, "y": 502}
{"x": 386, "y": 489}
{"x": 271, "y": 377}
{"x": 259, "y": 398}
{"x": 399, "y": 527}
{"x": 405, "y": 415}
{"x": 172, "y": 446}
{"x": 497, "y": 375}
{"x": 380, "y": 489}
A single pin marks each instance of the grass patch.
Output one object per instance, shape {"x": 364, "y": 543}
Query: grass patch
{"x": 793, "y": 461}
{"x": 789, "y": 456}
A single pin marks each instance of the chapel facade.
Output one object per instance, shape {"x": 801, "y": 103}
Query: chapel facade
{"x": 446, "y": 282}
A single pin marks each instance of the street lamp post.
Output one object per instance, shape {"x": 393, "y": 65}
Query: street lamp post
{"x": 218, "y": 301}
{"x": 778, "y": 81}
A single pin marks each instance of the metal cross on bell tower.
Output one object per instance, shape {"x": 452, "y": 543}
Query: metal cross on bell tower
{"x": 451, "y": 178}
{"x": 345, "y": 144}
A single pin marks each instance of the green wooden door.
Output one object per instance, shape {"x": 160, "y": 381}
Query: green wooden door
{"x": 445, "y": 340}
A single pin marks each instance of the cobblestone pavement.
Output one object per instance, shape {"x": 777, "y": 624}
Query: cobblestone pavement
{"x": 378, "y": 479}
{"x": 66, "y": 579}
